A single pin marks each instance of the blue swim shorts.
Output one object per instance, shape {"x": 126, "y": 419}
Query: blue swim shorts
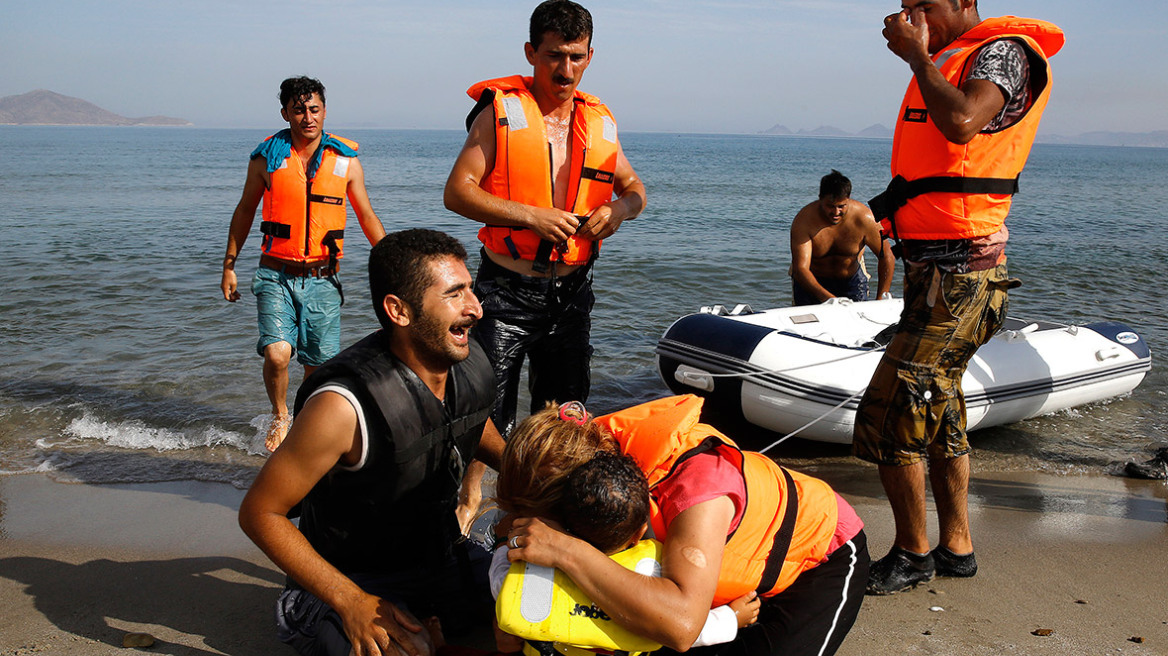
{"x": 855, "y": 288}
{"x": 304, "y": 311}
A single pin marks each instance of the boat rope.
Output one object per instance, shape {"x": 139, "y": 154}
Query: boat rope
{"x": 768, "y": 372}
{"x": 813, "y": 421}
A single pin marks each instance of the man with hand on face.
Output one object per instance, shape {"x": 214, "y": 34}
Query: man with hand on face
{"x": 827, "y": 246}
{"x": 303, "y": 176}
{"x": 382, "y": 438}
{"x": 965, "y": 128}
{"x": 540, "y": 167}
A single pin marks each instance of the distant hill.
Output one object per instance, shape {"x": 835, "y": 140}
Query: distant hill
{"x": 777, "y": 129}
{"x": 43, "y": 107}
{"x": 825, "y": 131}
{"x": 1157, "y": 139}
{"x": 876, "y": 131}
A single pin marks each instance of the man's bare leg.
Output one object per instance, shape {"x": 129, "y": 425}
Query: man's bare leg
{"x": 954, "y": 553}
{"x": 909, "y": 562}
{"x": 950, "y": 480}
{"x": 277, "y": 355}
{"x": 905, "y": 487}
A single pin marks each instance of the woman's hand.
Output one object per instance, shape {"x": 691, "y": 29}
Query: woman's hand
{"x": 538, "y": 541}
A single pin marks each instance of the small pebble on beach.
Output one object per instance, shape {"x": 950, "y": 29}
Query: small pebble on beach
{"x": 138, "y": 640}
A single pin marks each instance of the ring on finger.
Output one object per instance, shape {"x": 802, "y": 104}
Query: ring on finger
{"x": 513, "y": 542}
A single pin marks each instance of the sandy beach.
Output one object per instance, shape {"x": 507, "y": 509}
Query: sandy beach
{"x": 1084, "y": 558}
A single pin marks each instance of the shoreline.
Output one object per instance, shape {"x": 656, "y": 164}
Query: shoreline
{"x": 1085, "y": 556}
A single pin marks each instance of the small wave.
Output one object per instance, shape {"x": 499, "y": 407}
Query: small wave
{"x": 135, "y": 434}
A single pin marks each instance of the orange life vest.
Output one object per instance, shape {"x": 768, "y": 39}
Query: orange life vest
{"x": 522, "y": 170}
{"x": 971, "y": 184}
{"x": 304, "y": 220}
{"x": 781, "y": 534}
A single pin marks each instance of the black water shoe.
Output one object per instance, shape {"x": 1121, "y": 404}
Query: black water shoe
{"x": 899, "y": 571}
{"x": 1154, "y": 469}
{"x": 950, "y": 564}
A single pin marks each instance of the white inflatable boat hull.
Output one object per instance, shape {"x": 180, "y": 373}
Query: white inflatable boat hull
{"x": 787, "y": 367}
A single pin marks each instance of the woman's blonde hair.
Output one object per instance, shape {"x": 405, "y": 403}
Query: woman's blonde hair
{"x": 540, "y": 454}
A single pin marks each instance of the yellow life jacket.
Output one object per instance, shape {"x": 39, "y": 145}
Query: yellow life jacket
{"x": 522, "y": 170}
{"x": 304, "y": 220}
{"x": 543, "y": 604}
{"x": 961, "y": 191}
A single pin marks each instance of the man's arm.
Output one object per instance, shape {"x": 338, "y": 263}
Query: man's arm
{"x": 491, "y": 446}
{"x": 801, "y": 262}
{"x": 359, "y": 199}
{"x": 470, "y": 493}
{"x": 325, "y": 432}
{"x": 886, "y": 262}
{"x": 241, "y": 220}
{"x": 464, "y": 195}
{"x": 630, "y": 201}
{"x": 671, "y": 609}
{"x": 959, "y": 113}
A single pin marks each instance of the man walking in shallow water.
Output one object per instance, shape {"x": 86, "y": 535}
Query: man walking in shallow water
{"x": 964, "y": 132}
{"x": 302, "y": 175}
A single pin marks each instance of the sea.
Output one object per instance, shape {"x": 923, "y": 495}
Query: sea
{"x": 120, "y": 361}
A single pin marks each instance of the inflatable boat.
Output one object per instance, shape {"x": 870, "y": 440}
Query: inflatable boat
{"x": 803, "y": 369}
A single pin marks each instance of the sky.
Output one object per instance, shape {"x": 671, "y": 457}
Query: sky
{"x": 710, "y": 66}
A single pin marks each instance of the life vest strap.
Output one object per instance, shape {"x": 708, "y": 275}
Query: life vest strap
{"x": 783, "y": 537}
{"x": 334, "y": 250}
{"x": 899, "y": 192}
{"x": 543, "y": 256}
{"x": 276, "y": 229}
{"x": 484, "y": 101}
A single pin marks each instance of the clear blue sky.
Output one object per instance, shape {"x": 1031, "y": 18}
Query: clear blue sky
{"x": 662, "y": 65}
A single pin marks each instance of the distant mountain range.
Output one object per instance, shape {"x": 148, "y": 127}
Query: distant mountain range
{"x": 43, "y": 107}
{"x": 871, "y": 132}
{"x": 1157, "y": 139}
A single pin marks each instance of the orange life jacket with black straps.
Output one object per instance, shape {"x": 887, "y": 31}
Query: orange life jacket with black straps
{"x": 961, "y": 191}
{"x": 304, "y": 220}
{"x": 789, "y": 519}
{"x": 523, "y": 167}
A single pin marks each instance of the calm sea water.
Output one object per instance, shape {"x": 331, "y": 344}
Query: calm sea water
{"x": 120, "y": 362}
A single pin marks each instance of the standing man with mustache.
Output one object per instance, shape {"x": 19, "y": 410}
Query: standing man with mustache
{"x": 540, "y": 167}
{"x": 383, "y": 435}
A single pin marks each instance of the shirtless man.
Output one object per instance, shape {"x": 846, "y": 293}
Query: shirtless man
{"x": 827, "y": 246}
{"x": 542, "y": 231}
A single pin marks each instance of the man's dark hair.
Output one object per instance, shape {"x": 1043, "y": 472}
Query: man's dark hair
{"x": 300, "y": 88}
{"x": 563, "y": 17}
{"x": 605, "y": 501}
{"x": 398, "y": 265}
{"x": 835, "y": 185}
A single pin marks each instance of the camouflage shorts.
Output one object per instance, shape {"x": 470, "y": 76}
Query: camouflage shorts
{"x": 914, "y": 407}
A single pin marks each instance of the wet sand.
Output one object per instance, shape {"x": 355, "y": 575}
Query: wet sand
{"x": 1084, "y": 557}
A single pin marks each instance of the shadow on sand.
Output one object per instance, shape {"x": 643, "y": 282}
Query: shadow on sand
{"x": 226, "y": 604}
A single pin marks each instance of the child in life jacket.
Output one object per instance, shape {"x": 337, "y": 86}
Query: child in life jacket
{"x": 605, "y": 502}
